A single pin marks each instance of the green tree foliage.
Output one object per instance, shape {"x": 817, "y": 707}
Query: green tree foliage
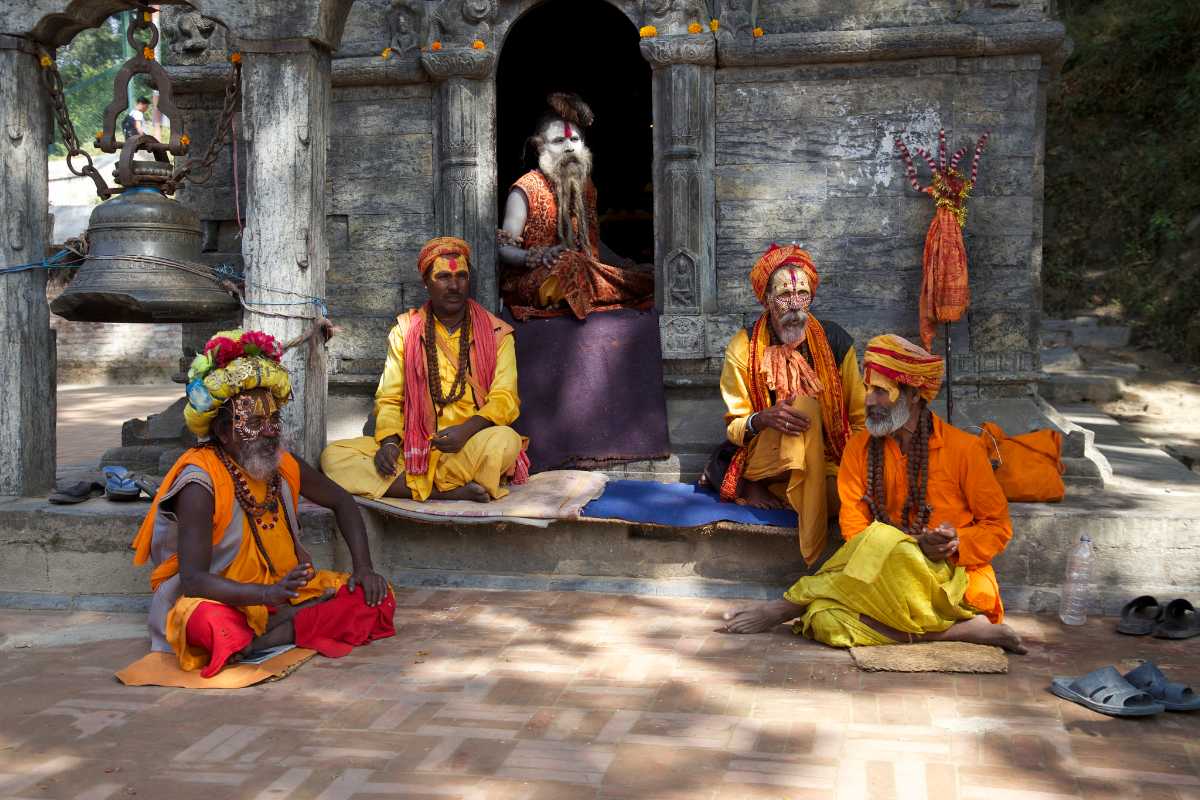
{"x": 88, "y": 66}
{"x": 1123, "y": 154}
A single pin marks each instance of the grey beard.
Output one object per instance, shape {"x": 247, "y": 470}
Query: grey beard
{"x": 788, "y": 326}
{"x": 896, "y": 419}
{"x": 569, "y": 175}
{"x": 260, "y": 458}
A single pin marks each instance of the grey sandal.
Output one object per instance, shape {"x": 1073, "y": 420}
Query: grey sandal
{"x": 1106, "y": 692}
{"x": 1175, "y": 696}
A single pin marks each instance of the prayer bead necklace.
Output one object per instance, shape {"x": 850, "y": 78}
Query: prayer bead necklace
{"x": 458, "y": 387}
{"x": 254, "y": 510}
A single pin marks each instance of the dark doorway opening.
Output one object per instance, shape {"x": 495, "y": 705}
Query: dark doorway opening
{"x": 591, "y": 48}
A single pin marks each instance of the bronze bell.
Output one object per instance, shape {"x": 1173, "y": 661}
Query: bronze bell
{"x": 143, "y": 247}
{"x": 127, "y": 278}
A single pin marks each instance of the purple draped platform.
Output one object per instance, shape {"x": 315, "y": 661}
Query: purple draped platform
{"x": 591, "y": 391}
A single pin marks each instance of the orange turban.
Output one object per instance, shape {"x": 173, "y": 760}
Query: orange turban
{"x": 891, "y": 360}
{"x": 773, "y": 259}
{"x": 442, "y": 247}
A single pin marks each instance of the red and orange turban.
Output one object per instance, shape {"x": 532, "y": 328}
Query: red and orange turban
{"x": 773, "y": 259}
{"x": 891, "y": 360}
{"x": 443, "y": 248}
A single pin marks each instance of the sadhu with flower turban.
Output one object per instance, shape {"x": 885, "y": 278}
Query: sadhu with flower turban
{"x": 445, "y": 401}
{"x": 793, "y": 395}
{"x": 923, "y": 516}
{"x": 240, "y": 490}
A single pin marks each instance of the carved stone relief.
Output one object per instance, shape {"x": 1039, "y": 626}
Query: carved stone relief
{"x": 682, "y": 336}
{"x": 736, "y": 19}
{"x": 406, "y": 24}
{"x": 681, "y": 286}
{"x": 191, "y": 36}
{"x": 458, "y": 23}
{"x": 674, "y": 16}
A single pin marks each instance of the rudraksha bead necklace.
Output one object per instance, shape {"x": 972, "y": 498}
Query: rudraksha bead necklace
{"x": 458, "y": 387}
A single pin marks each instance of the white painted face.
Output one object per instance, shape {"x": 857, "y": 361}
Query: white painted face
{"x": 562, "y": 137}
{"x": 790, "y": 280}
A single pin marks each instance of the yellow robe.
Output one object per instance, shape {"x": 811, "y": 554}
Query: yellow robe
{"x": 786, "y": 461}
{"x": 487, "y": 457}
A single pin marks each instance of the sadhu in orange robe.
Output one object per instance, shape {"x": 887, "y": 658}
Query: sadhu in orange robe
{"x": 578, "y": 278}
{"x": 332, "y": 627}
{"x": 881, "y": 571}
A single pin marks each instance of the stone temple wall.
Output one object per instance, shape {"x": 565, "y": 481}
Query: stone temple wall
{"x": 802, "y": 124}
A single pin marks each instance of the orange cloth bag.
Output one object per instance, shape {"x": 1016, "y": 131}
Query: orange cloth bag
{"x": 1028, "y": 467}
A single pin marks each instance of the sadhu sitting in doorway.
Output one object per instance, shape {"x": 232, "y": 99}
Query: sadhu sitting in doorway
{"x": 550, "y": 240}
{"x": 445, "y": 401}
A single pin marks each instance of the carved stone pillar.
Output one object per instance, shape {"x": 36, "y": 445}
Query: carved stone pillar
{"x": 27, "y": 368}
{"x": 464, "y": 143}
{"x": 286, "y": 109}
{"x": 684, "y": 213}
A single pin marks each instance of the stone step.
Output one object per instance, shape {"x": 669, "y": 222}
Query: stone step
{"x": 1080, "y": 387}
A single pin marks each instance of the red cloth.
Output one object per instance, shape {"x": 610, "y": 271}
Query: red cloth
{"x": 345, "y": 621}
{"x": 418, "y": 408}
{"x": 219, "y": 629}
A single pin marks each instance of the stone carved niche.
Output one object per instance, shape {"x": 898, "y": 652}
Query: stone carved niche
{"x": 674, "y": 16}
{"x": 406, "y": 25}
{"x": 192, "y": 38}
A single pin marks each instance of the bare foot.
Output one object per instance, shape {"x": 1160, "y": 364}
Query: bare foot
{"x": 979, "y": 630}
{"x": 760, "y": 617}
{"x": 472, "y": 491}
{"x": 757, "y": 495}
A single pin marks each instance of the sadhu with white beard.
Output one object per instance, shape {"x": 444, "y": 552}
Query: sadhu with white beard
{"x": 230, "y": 575}
{"x": 550, "y": 239}
{"x": 793, "y": 395}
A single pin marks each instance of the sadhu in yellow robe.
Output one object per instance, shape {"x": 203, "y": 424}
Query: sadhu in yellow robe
{"x": 488, "y": 458}
{"x": 793, "y": 466}
{"x": 881, "y": 572}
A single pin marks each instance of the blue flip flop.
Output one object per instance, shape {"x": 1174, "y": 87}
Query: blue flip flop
{"x": 119, "y": 484}
{"x": 1175, "y": 696}
{"x": 1106, "y": 692}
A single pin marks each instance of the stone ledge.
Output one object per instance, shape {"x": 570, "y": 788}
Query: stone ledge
{"x": 886, "y": 44}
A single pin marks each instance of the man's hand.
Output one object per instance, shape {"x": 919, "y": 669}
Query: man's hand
{"x": 452, "y": 439}
{"x": 387, "y": 457}
{"x": 282, "y": 592}
{"x": 940, "y": 543}
{"x": 783, "y": 418}
{"x": 374, "y": 587}
{"x": 551, "y": 254}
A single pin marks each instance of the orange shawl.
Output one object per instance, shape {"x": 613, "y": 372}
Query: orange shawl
{"x": 223, "y": 502}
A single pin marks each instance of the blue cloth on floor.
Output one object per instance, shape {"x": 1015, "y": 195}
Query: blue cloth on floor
{"x": 682, "y": 505}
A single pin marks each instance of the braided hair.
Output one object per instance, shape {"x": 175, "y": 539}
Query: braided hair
{"x": 915, "y": 504}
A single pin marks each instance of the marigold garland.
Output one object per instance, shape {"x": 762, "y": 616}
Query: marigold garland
{"x": 648, "y": 31}
{"x": 435, "y": 46}
{"x": 185, "y": 140}
{"x": 714, "y": 24}
{"x": 758, "y": 33}
{"x": 386, "y": 53}
{"x": 478, "y": 44}
{"x": 235, "y": 58}
{"x": 45, "y": 61}
{"x": 148, "y": 53}
{"x": 694, "y": 28}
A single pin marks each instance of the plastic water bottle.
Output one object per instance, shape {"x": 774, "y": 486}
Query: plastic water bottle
{"x": 1073, "y": 610}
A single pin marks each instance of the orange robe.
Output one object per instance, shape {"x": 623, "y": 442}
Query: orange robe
{"x": 962, "y": 492}
{"x": 577, "y": 278}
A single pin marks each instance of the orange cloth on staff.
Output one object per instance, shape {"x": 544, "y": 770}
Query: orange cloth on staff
{"x": 945, "y": 289}
{"x": 962, "y": 492}
{"x": 577, "y": 278}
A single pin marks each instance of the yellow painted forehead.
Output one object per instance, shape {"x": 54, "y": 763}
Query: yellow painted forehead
{"x": 450, "y": 264}
{"x": 875, "y": 380}
{"x": 789, "y": 279}
{"x": 259, "y": 402}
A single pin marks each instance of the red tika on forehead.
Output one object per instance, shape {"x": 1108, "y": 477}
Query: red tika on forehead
{"x": 567, "y": 130}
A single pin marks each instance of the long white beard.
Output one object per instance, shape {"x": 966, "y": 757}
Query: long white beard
{"x": 896, "y": 419}
{"x": 788, "y": 325}
{"x": 568, "y": 174}
{"x": 260, "y": 458}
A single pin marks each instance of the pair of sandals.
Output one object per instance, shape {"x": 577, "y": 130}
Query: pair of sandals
{"x": 1141, "y": 692}
{"x": 119, "y": 485}
{"x": 1143, "y": 615}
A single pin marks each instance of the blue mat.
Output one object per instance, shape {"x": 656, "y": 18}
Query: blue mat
{"x": 682, "y": 505}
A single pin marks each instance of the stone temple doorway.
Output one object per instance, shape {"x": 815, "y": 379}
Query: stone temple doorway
{"x": 591, "y": 48}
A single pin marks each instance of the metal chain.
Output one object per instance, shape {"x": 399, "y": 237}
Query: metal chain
{"x": 199, "y": 171}
{"x": 52, "y": 80}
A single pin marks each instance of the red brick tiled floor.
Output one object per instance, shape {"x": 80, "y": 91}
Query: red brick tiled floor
{"x": 543, "y": 696}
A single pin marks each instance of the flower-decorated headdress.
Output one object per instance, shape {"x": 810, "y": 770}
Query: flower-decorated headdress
{"x": 233, "y": 362}
{"x": 773, "y": 259}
